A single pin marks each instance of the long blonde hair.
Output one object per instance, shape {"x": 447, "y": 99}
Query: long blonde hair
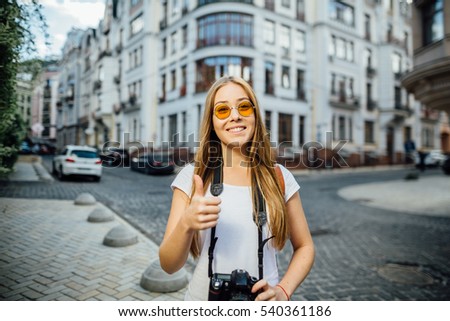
{"x": 259, "y": 159}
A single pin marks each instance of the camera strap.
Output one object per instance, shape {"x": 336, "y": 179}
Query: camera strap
{"x": 216, "y": 189}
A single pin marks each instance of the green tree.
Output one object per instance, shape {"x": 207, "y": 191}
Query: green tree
{"x": 17, "y": 20}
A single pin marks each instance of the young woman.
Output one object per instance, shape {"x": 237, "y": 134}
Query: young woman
{"x": 233, "y": 131}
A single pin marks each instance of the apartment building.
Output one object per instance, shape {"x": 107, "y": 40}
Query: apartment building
{"x": 324, "y": 71}
{"x": 429, "y": 79}
{"x": 69, "y": 82}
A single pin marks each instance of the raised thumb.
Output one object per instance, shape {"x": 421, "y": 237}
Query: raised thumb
{"x": 198, "y": 183}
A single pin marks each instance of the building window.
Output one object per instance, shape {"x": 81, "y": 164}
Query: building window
{"x": 162, "y": 96}
{"x": 225, "y": 29}
{"x": 349, "y": 51}
{"x": 269, "y": 5}
{"x": 398, "y": 97}
{"x": 300, "y": 41}
{"x": 369, "y": 132}
{"x": 173, "y": 42}
{"x": 175, "y": 7}
{"x": 269, "y": 81}
{"x": 333, "y": 85}
{"x": 301, "y": 131}
{"x": 301, "y": 84}
{"x": 341, "y": 48}
{"x": 285, "y": 40}
{"x": 136, "y": 25}
{"x": 427, "y": 137}
{"x": 184, "y": 40}
{"x": 342, "y": 12}
{"x": 135, "y": 58}
{"x": 173, "y": 75}
{"x": 285, "y": 129}
{"x": 433, "y": 21}
{"x": 183, "y": 81}
{"x": 286, "y": 3}
{"x": 369, "y": 103}
{"x": 164, "y": 48}
{"x": 342, "y": 87}
{"x": 367, "y": 33}
{"x": 173, "y": 130}
{"x": 396, "y": 64}
{"x": 269, "y": 32}
{"x": 212, "y": 68}
{"x": 285, "y": 77}
{"x": 301, "y": 10}
{"x": 342, "y": 127}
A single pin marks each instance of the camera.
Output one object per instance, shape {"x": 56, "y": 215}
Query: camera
{"x": 236, "y": 286}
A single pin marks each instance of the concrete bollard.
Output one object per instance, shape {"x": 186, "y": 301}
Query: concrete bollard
{"x": 154, "y": 279}
{"x": 85, "y": 199}
{"x": 120, "y": 236}
{"x": 100, "y": 215}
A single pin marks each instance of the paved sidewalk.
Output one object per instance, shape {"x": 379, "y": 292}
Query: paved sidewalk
{"x": 427, "y": 195}
{"x": 49, "y": 251}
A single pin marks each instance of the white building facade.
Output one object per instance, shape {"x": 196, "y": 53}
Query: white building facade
{"x": 324, "y": 71}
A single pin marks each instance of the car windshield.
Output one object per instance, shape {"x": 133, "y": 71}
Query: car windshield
{"x": 84, "y": 153}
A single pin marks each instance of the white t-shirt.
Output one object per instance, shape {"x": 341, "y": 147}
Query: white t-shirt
{"x": 237, "y": 243}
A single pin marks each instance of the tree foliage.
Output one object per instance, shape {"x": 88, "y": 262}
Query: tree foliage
{"x": 16, "y": 24}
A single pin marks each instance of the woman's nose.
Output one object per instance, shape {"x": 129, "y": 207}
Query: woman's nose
{"x": 234, "y": 113}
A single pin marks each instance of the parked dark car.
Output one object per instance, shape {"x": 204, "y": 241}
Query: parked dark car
{"x": 153, "y": 163}
{"x": 446, "y": 165}
{"x": 114, "y": 156}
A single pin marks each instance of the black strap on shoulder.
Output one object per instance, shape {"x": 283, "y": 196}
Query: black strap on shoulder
{"x": 216, "y": 189}
{"x": 261, "y": 219}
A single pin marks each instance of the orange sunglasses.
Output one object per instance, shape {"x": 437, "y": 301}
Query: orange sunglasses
{"x": 223, "y": 111}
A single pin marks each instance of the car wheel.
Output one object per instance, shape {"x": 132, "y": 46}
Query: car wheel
{"x": 97, "y": 178}
{"x": 148, "y": 171}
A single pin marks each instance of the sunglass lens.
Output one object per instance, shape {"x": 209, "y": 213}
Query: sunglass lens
{"x": 222, "y": 112}
{"x": 245, "y": 109}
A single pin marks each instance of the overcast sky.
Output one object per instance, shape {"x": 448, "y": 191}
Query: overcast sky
{"x": 62, "y": 15}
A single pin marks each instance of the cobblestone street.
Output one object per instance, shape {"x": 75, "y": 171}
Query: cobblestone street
{"x": 362, "y": 252}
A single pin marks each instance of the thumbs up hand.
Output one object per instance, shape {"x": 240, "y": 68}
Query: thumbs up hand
{"x": 203, "y": 211}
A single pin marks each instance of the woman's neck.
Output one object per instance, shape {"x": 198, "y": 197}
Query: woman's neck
{"x": 235, "y": 167}
{"x": 233, "y": 157}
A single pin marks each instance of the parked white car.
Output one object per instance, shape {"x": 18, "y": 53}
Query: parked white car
{"x": 77, "y": 160}
{"x": 433, "y": 158}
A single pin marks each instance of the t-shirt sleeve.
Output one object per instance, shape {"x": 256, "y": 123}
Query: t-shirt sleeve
{"x": 183, "y": 181}
{"x": 290, "y": 183}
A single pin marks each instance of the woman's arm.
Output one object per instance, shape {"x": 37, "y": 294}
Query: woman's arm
{"x": 302, "y": 258}
{"x": 185, "y": 219}
{"x": 302, "y": 243}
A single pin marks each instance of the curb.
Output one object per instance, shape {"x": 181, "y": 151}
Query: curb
{"x": 42, "y": 172}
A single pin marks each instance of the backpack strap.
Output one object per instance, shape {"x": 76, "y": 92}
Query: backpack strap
{"x": 280, "y": 178}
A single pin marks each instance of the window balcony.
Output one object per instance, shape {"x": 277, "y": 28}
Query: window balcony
{"x": 370, "y": 72}
{"x": 342, "y": 101}
{"x": 97, "y": 85}
{"x": 371, "y": 104}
